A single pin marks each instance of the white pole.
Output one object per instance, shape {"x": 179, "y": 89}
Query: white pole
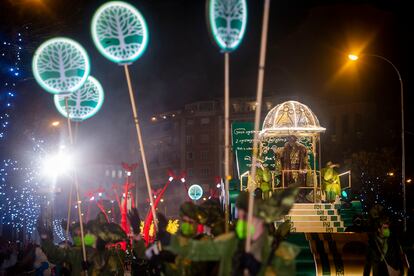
{"x": 141, "y": 145}
{"x": 226, "y": 138}
{"x": 257, "y": 117}
{"x": 75, "y": 177}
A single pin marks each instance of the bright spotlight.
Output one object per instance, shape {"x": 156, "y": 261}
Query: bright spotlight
{"x": 182, "y": 179}
{"x": 218, "y": 185}
{"x": 170, "y": 178}
{"x": 57, "y": 164}
{"x": 353, "y": 57}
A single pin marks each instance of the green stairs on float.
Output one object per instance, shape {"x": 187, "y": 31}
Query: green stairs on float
{"x": 321, "y": 217}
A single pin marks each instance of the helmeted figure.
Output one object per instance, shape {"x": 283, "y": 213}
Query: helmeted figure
{"x": 331, "y": 183}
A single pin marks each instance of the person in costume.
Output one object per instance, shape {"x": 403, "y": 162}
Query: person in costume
{"x": 294, "y": 160}
{"x": 100, "y": 260}
{"x": 331, "y": 183}
{"x": 263, "y": 179}
{"x": 385, "y": 255}
{"x": 266, "y": 255}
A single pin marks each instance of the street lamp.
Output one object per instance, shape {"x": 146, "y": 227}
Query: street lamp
{"x": 55, "y": 123}
{"x": 355, "y": 57}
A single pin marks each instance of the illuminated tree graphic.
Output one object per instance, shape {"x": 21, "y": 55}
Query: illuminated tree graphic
{"x": 119, "y": 31}
{"x": 60, "y": 65}
{"x": 229, "y": 18}
{"x": 83, "y": 103}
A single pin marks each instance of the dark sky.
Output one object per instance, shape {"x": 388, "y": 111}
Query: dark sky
{"x": 307, "y": 46}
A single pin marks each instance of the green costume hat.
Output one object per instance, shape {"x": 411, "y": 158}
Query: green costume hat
{"x": 194, "y": 212}
{"x": 108, "y": 232}
{"x": 242, "y": 202}
{"x": 277, "y": 206}
{"x": 214, "y": 216}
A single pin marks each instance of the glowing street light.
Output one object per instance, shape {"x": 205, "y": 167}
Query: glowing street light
{"x": 55, "y": 123}
{"x": 354, "y": 57}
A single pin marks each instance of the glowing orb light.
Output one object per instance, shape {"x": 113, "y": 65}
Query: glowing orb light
{"x": 119, "y": 32}
{"x": 60, "y": 65}
{"x": 195, "y": 192}
{"x": 227, "y": 21}
{"x": 57, "y": 164}
{"x": 83, "y": 103}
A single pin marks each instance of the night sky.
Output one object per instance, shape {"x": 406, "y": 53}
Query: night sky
{"x": 307, "y": 46}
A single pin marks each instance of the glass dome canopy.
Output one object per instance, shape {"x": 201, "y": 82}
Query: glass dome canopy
{"x": 290, "y": 118}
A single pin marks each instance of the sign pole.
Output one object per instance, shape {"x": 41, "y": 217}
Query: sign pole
{"x": 257, "y": 118}
{"x": 75, "y": 176}
{"x": 141, "y": 145}
{"x": 226, "y": 138}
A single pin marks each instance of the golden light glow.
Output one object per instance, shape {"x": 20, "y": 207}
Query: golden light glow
{"x": 55, "y": 123}
{"x": 353, "y": 57}
{"x": 409, "y": 180}
{"x": 390, "y": 174}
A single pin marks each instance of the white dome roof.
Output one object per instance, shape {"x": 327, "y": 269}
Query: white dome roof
{"x": 290, "y": 117}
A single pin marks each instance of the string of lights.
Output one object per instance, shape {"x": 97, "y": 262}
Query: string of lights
{"x": 10, "y": 74}
{"x": 374, "y": 191}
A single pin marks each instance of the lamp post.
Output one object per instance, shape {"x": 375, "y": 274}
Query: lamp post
{"x": 355, "y": 57}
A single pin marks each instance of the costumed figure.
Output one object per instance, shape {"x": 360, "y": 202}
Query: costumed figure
{"x": 269, "y": 255}
{"x": 100, "y": 259}
{"x": 385, "y": 255}
{"x": 331, "y": 183}
{"x": 263, "y": 178}
{"x": 294, "y": 161}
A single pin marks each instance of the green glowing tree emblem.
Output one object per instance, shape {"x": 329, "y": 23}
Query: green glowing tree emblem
{"x": 83, "y": 103}
{"x": 227, "y": 22}
{"x": 195, "y": 192}
{"x": 60, "y": 65}
{"x": 119, "y": 32}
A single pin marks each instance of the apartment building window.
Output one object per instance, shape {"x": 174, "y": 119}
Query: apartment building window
{"x": 189, "y": 139}
{"x": 106, "y": 172}
{"x": 204, "y": 138}
{"x": 113, "y": 173}
{"x": 190, "y": 172}
{"x": 205, "y": 172}
{"x": 190, "y": 122}
{"x": 190, "y": 155}
{"x": 205, "y": 121}
{"x": 206, "y": 106}
{"x": 119, "y": 174}
{"x": 204, "y": 155}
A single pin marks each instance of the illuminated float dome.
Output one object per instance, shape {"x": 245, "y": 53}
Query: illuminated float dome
{"x": 290, "y": 117}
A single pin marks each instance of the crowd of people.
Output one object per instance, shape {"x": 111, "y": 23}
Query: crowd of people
{"x": 201, "y": 247}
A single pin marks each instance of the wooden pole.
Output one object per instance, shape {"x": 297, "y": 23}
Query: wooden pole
{"x": 141, "y": 145}
{"x": 75, "y": 178}
{"x": 257, "y": 117}
{"x": 226, "y": 138}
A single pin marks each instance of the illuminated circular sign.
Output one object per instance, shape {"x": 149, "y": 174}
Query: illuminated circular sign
{"x": 119, "y": 32}
{"x": 227, "y": 21}
{"x": 83, "y": 103}
{"x": 195, "y": 192}
{"x": 60, "y": 65}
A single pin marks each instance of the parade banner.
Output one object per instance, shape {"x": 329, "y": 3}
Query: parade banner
{"x": 242, "y": 134}
{"x": 242, "y": 142}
